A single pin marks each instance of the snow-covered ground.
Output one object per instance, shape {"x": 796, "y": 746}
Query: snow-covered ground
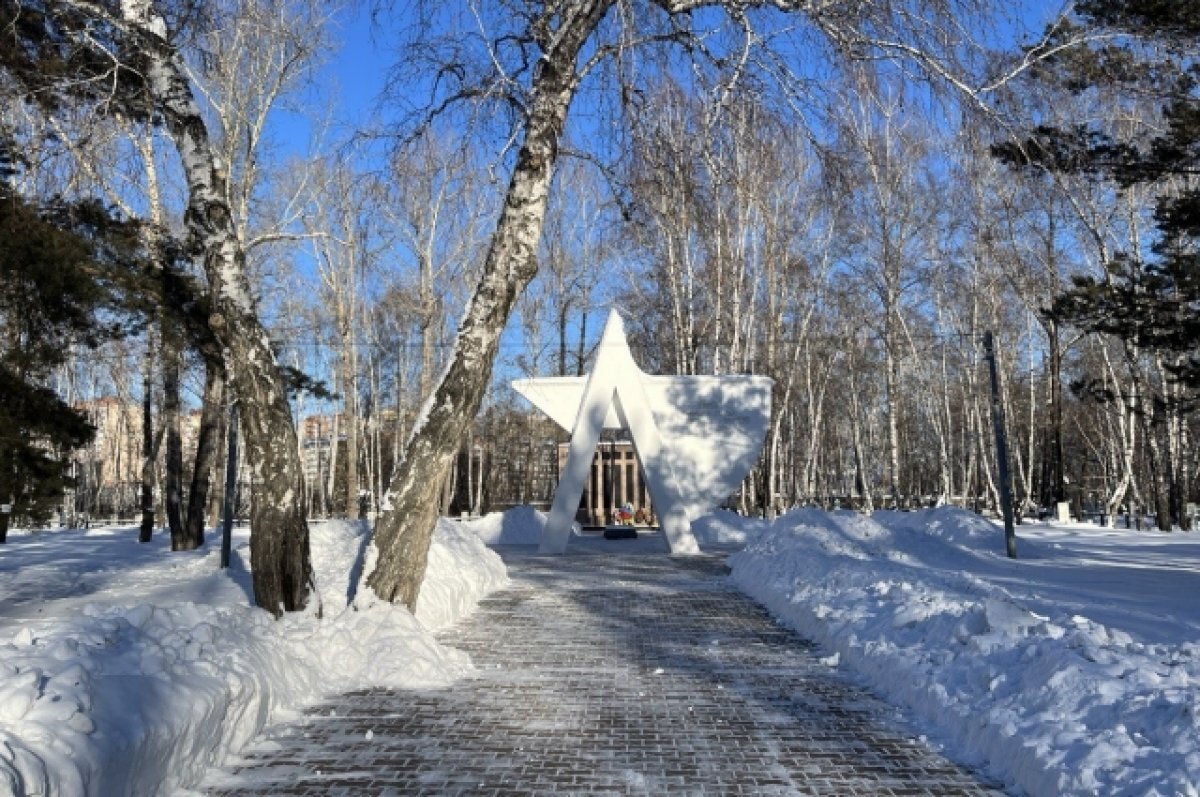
{"x": 127, "y": 669}
{"x": 1073, "y": 670}
{"x": 521, "y": 525}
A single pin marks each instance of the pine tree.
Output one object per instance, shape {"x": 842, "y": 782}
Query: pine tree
{"x": 61, "y": 268}
{"x": 1147, "y": 50}
{"x": 1148, "y": 53}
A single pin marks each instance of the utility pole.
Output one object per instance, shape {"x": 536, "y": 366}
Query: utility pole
{"x": 1010, "y": 537}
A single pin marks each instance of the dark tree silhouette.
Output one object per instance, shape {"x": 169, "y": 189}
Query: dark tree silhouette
{"x": 62, "y": 271}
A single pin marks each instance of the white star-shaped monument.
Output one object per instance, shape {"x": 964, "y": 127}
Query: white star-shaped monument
{"x": 696, "y": 436}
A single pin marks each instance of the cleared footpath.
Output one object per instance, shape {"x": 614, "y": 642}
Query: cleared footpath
{"x": 606, "y": 672}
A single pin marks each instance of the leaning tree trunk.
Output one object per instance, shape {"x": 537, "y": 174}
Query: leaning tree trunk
{"x": 173, "y": 481}
{"x": 146, "y": 529}
{"x": 403, "y": 534}
{"x": 279, "y": 554}
{"x": 208, "y": 440}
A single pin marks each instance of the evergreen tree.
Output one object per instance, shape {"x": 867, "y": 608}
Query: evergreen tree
{"x": 61, "y": 268}
{"x": 1149, "y": 51}
{"x": 1143, "y": 54}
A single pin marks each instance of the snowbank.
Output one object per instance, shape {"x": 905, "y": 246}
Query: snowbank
{"x": 521, "y": 525}
{"x": 726, "y": 528}
{"x": 1048, "y": 669}
{"x": 125, "y": 669}
{"x": 461, "y": 570}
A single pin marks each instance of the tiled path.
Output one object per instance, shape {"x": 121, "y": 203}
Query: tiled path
{"x": 610, "y": 674}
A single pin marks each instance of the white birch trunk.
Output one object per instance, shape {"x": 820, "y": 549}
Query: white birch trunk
{"x": 403, "y": 534}
{"x": 279, "y": 553}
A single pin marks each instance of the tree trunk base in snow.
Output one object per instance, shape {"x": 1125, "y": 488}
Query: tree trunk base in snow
{"x": 279, "y": 554}
{"x": 407, "y": 533}
{"x": 282, "y": 571}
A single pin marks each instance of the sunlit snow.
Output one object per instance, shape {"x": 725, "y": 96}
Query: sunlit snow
{"x": 1073, "y": 670}
{"x": 128, "y": 669}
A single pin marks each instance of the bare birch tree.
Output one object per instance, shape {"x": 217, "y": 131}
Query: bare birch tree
{"x": 893, "y": 217}
{"x": 279, "y": 543}
{"x": 436, "y": 206}
{"x": 576, "y": 248}
{"x": 535, "y": 57}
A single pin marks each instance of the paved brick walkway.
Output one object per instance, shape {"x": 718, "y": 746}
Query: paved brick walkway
{"x": 610, "y": 674}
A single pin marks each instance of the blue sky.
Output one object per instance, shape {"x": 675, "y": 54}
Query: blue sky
{"x": 354, "y": 74}
{"x": 360, "y": 66}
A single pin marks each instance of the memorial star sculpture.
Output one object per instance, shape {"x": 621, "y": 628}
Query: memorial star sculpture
{"x": 696, "y": 436}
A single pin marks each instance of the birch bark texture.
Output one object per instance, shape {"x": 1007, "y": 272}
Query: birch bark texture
{"x": 279, "y": 553}
{"x": 404, "y": 533}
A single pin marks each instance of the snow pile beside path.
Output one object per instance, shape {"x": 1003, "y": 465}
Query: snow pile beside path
{"x": 337, "y": 549}
{"x": 461, "y": 571}
{"x": 521, "y": 525}
{"x": 926, "y": 608}
{"x": 723, "y": 527}
{"x": 101, "y": 694}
